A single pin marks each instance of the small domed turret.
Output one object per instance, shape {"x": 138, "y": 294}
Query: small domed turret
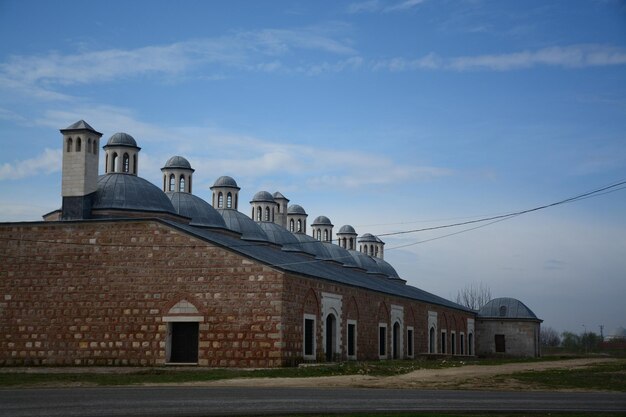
{"x": 263, "y": 207}
{"x": 121, "y": 154}
{"x": 322, "y": 229}
{"x": 372, "y": 246}
{"x": 225, "y": 193}
{"x": 346, "y": 237}
{"x": 281, "y": 209}
{"x": 177, "y": 175}
{"x": 296, "y": 219}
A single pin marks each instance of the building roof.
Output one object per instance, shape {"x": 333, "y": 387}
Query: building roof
{"x": 279, "y": 196}
{"x": 347, "y": 230}
{"x": 225, "y": 181}
{"x": 122, "y": 139}
{"x": 295, "y": 209}
{"x": 81, "y": 125}
{"x": 199, "y": 211}
{"x": 312, "y": 246}
{"x": 177, "y": 162}
{"x": 263, "y": 196}
{"x": 321, "y": 221}
{"x": 366, "y": 262}
{"x": 280, "y": 236}
{"x": 118, "y": 191}
{"x": 242, "y": 224}
{"x": 299, "y": 263}
{"x": 386, "y": 268}
{"x": 506, "y": 308}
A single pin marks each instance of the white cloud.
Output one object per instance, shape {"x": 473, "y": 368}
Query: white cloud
{"x": 47, "y": 162}
{"x": 405, "y": 5}
{"x": 574, "y": 56}
{"x": 373, "y": 6}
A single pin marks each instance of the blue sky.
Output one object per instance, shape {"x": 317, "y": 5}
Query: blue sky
{"x": 387, "y": 115}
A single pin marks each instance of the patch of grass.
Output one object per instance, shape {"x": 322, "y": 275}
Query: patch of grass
{"x": 606, "y": 377}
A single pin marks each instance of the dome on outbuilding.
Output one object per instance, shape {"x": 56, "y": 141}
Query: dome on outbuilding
{"x": 347, "y": 229}
{"x": 240, "y": 223}
{"x": 506, "y": 308}
{"x": 177, "y": 162}
{"x": 225, "y": 181}
{"x": 263, "y": 196}
{"x": 119, "y": 191}
{"x": 295, "y": 209}
{"x": 199, "y": 211}
{"x": 122, "y": 139}
{"x": 321, "y": 220}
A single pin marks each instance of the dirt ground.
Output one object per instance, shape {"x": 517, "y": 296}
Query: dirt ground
{"x": 465, "y": 377}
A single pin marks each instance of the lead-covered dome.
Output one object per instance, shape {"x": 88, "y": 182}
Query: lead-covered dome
{"x": 386, "y": 268}
{"x": 280, "y": 236}
{"x": 368, "y": 237}
{"x": 263, "y": 196}
{"x": 366, "y": 262}
{"x": 121, "y": 139}
{"x": 295, "y": 209}
{"x": 199, "y": 211}
{"x": 119, "y": 191}
{"x": 321, "y": 220}
{"x": 347, "y": 229}
{"x": 340, "y": 255}
{"x": 240, "y": 223}
{"x": 506, "y": 308}
{"x": 225, "y": 181}
{"x": 177, "y": 162}
{"x": 312, "y": 246}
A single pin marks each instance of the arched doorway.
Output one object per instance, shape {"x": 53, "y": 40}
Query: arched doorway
{"x": 331, "y": 335}
{"x": 396, "y": 340}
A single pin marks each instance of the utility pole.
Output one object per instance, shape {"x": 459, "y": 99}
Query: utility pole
{"x": 602, "y": 332}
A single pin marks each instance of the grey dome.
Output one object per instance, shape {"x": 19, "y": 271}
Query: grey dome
{"x": 386, "y": 268}
{"x": 281, "y": 236}
{"x": 347, "y": 229}
{"x": 177, "y": 162}
{"x": 312, "y": 246}
{"x": 368, "y": 237}
{"x": 119, "y": 191}
{"x": 240, "y": 223}
{"x": 199, "y": 211}
{"x": 366, "y": 262}
{"x": 262, "y": 196}
{"x": 122, "y": 139}
{"x": 340, "y": 255}
{"x": 321, "y": 220}
{"x": 506, "y": 308}
{"x": 295, "y": 209}
{"x": 225, "y": 181}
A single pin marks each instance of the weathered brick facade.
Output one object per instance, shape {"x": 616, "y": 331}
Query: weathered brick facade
{"x": 105, "y": 291}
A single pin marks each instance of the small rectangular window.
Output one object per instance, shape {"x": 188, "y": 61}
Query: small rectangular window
{"x": 309, "y": 337}
{"x": 500, "y": 346}
{"x": 409, "y": 342}
{"x": 382, "y": 341}
{"x": 351, "y": 340}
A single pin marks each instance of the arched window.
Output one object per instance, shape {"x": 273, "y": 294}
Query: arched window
{"x": 470, "y": 344}
{"x": 229, "y": 200}
{"x": 181, "y": 184}
{"x": 164, "y": 182}
{"x": 220, "y": 200}
{"x": 94, "y": 146}
{"x": 431, "y": 340}
{"x": 291, "y": 227}
{"x": 319, "y": 234}
{"x": 135, "y": 164}
{"x": 267, "y": 214}
{"x": 125, "y": 163}
{"x": 190, "y": 183}
{"x": 376, "y": 251}
{"x": 114, "y": 162}
{"x": 259, "y": 214}
{"x": 172, "y": 186}
{"x": 78, "y": 144}
{"x": 69, "y": 145}
{"x": 106, "y": 167}
{"x": 235, "y": 206}
{"x": 325, "y": 235}
{"x": 371, "y": 250}
{"x": 351, "y": 243}
{"x": 299, "y": 229}
{"x": 88, "y": 150}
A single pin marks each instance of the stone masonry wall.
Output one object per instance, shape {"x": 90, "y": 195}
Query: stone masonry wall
{"x": 521, "y": 337}
{"x": 96, "y": 292}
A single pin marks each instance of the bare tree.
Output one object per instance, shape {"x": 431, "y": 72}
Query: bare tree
{"x": 474, "y": 296}
{"x": 549, "y": 337}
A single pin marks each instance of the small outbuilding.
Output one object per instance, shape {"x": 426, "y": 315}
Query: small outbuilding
{"x": 506, "y": 326}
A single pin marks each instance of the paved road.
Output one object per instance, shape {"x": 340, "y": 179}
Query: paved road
{"x": 205, "y": 401}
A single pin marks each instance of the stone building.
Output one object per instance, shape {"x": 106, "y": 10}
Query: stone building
{"x": 126, "y": 272}
{"x": 505, "y": 326}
